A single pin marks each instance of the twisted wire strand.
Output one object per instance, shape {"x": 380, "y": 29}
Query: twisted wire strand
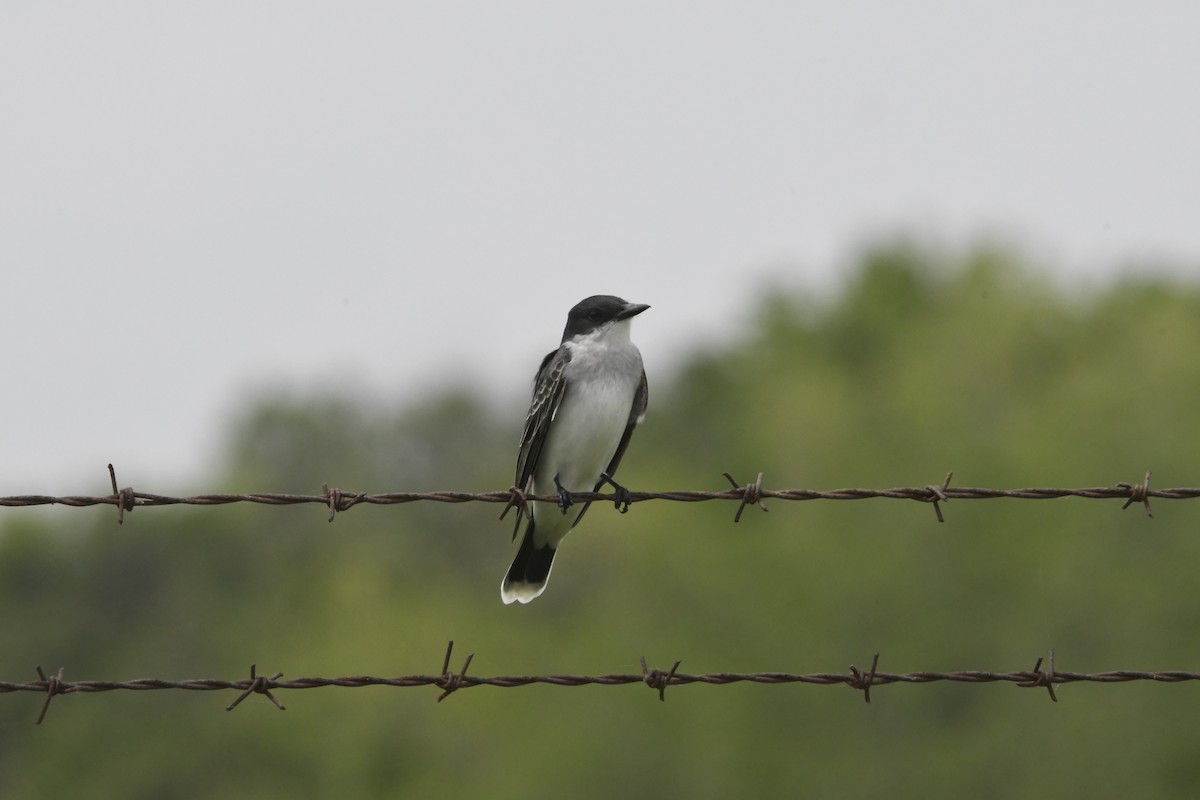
{"x": 449, "y": 681}
{"x": 755, "y": 493}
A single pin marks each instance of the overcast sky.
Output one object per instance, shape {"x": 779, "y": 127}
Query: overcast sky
{"x": 197, "y": 199}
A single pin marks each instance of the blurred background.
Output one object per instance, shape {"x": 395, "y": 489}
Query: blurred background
{"x": 266, "y": 248}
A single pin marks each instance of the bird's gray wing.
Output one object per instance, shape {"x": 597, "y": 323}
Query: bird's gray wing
{"x": 548, "y": 389}
{"x": 640, "y": 400}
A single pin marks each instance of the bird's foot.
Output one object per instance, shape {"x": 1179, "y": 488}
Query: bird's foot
{"x": 621, "y": 496}
{"x": 565, "y": 500}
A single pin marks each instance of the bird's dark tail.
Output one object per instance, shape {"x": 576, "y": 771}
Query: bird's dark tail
{"x": 530, "y": 570}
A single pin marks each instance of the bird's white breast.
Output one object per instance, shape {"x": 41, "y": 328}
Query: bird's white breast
{"x": 602, "y": 379}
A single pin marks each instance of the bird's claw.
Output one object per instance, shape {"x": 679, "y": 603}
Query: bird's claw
{"x": 565, "y": 500}
{"x": 622, "y": 497}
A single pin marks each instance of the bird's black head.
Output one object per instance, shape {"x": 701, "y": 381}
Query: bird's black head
{"x": 597, "y": 311}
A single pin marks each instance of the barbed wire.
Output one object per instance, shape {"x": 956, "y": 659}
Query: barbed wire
{"x": 126, "y": 499}
{"x": 659, "y": 680}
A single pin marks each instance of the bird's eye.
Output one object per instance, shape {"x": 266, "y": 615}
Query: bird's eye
{"x": 594, "y": 315}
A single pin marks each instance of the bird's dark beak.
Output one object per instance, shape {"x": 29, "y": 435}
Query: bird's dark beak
{"x": 632, "y": 310}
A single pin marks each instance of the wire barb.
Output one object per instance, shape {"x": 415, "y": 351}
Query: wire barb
{"x": 1138, "y": 493}
{"x": 450, "y": 682}
{"x": 864, "y": 680}
{"x": 54, "y": 685}
{"x": 752, "y": 494}
{"x": 518, "y": 498}
{"x": 657, "y": 679}
{"x": 259, "y": 684}
{"x": 124, "y": 499}
{"x": 337, "y": 500}
{"x": 1043, "y": 678}
{"x": 937, "y": 494}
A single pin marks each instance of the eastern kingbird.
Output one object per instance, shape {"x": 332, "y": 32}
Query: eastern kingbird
{"x": 588, "y": 396}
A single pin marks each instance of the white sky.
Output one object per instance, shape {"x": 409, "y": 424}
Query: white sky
{"x": 200, "y": 198}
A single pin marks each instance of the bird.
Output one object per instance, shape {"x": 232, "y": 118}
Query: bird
{"x": 588, "y": 396}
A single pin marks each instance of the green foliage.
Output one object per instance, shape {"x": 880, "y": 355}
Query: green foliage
{"x": 925, "y": 363}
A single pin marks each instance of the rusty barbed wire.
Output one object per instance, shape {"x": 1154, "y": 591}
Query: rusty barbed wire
{"x": 658, "y": 680}
{"x": 754, "y": 493}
